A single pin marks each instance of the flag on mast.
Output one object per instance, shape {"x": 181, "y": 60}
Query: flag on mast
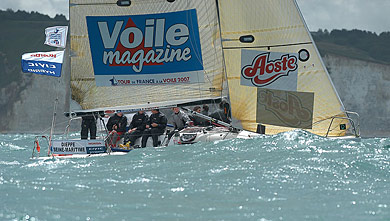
{"x": 56, "y": 36}
{"x": 43, "y": 63}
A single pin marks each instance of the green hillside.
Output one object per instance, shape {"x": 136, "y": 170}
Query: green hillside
{"x": 356, "y": 44}
{"x": 22, "y": 32}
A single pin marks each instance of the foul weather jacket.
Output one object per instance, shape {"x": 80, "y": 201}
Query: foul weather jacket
{"x": 159, "y": 119}
{"x": 180, "y": 120}
{"x": 120, "y": 122}
{"x": 139, "y": 121}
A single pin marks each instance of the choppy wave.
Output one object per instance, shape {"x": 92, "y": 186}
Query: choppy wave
{"x": 289, "y": 176}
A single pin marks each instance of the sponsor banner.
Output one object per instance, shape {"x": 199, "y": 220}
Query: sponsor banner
{"x": 78, "y": 147}
{"x": 43, "y": 63}
{"x": 146, "y": 49}
{"x": 272, "y": 70}
{"x": 56, "y": 36}
{"x": 285, "y": 108}
{"x": 122, "y": 80}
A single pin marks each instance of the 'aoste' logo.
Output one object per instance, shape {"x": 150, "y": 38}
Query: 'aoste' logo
{"x": 289, "y": 110}
{"x": 263, "y": 71}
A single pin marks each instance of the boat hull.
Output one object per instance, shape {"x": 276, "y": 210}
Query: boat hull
{"x": 192, "y": 135}
{"x": 211, "y": 134}
{"x": 72, "y": 156}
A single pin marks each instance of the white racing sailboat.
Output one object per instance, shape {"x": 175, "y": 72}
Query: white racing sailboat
{"x": 256, "y": 55}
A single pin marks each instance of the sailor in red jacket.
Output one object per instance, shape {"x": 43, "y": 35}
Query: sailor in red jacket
{"x": 116, "y": 125}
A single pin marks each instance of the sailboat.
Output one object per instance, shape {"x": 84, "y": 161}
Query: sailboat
{"x": 256, "y": 56}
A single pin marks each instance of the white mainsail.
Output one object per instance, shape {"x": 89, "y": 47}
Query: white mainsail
{"x": 85, "y": 14}
{"x": 277, "y": 26}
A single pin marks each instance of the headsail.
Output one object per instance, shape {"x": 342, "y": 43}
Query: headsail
{"x": 108, "y": 41}
{"x": 279, "y": 33}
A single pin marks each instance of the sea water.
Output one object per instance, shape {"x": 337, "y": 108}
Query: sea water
{"x": 289, "y": 176}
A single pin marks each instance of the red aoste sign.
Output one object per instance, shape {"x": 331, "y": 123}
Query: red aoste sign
{"x": 273, "y": 69}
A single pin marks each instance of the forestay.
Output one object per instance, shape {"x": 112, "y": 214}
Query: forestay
{"x": 292, "y": 88}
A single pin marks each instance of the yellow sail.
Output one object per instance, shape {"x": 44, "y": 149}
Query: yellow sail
{"x": 85, "y": 68}
{"x": 277, "y": 27}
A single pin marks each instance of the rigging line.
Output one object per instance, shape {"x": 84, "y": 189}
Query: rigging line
{"x": 270, "y": 46}
{"x": 204, "y": 72}
{"x": 224, "y": 71}
{"x": 193, "y": 45}
{"x": 215, "y": 19}
{"x": 210, "y": 30}
{"x": 223, "y": 54}
{"x": 45, "y": 130}
{"x": 53, "y": 122}
{"x": 328, "y": 118}
{"x": 190, "y": 39}
{"x": 189, "y": 21}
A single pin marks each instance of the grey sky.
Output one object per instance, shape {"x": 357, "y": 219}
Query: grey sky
{"x": 371, "y": 15}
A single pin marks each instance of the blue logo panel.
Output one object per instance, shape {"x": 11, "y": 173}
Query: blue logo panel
{"x": 95, "y": 150}
{"x": 144, "y": 45}
{"x": 42, "y": 67}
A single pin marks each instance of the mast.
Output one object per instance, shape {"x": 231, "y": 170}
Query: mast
{"x": 225, "y": 81}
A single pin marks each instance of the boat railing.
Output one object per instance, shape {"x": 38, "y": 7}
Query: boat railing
{"x": 355, "y": 126}
{"x": 72, "y": 117}
{"x": 37, "y": 148}
{"x": 67, "y": 128}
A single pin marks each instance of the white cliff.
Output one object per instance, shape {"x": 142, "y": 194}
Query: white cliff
{"x": 364, "y": 87}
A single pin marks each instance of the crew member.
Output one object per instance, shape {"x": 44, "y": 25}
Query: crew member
{"x": 116, "y": 125}
{"x": 223, "y": 114}
{"x": 137, "y": 127}
{"x": 198, "y": 121}
{"x": 155, "y": 127}
{"x": 88, "y": 123}
{"x": 180, "y": 120}
{"x": 205, "y": 110}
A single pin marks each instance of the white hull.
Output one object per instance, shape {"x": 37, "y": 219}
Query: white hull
{"x": 208, "y": 134}
{"x": 78, "y": 156}
{"x": 87, "y": 144}
{"x": 347, "y": 138}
